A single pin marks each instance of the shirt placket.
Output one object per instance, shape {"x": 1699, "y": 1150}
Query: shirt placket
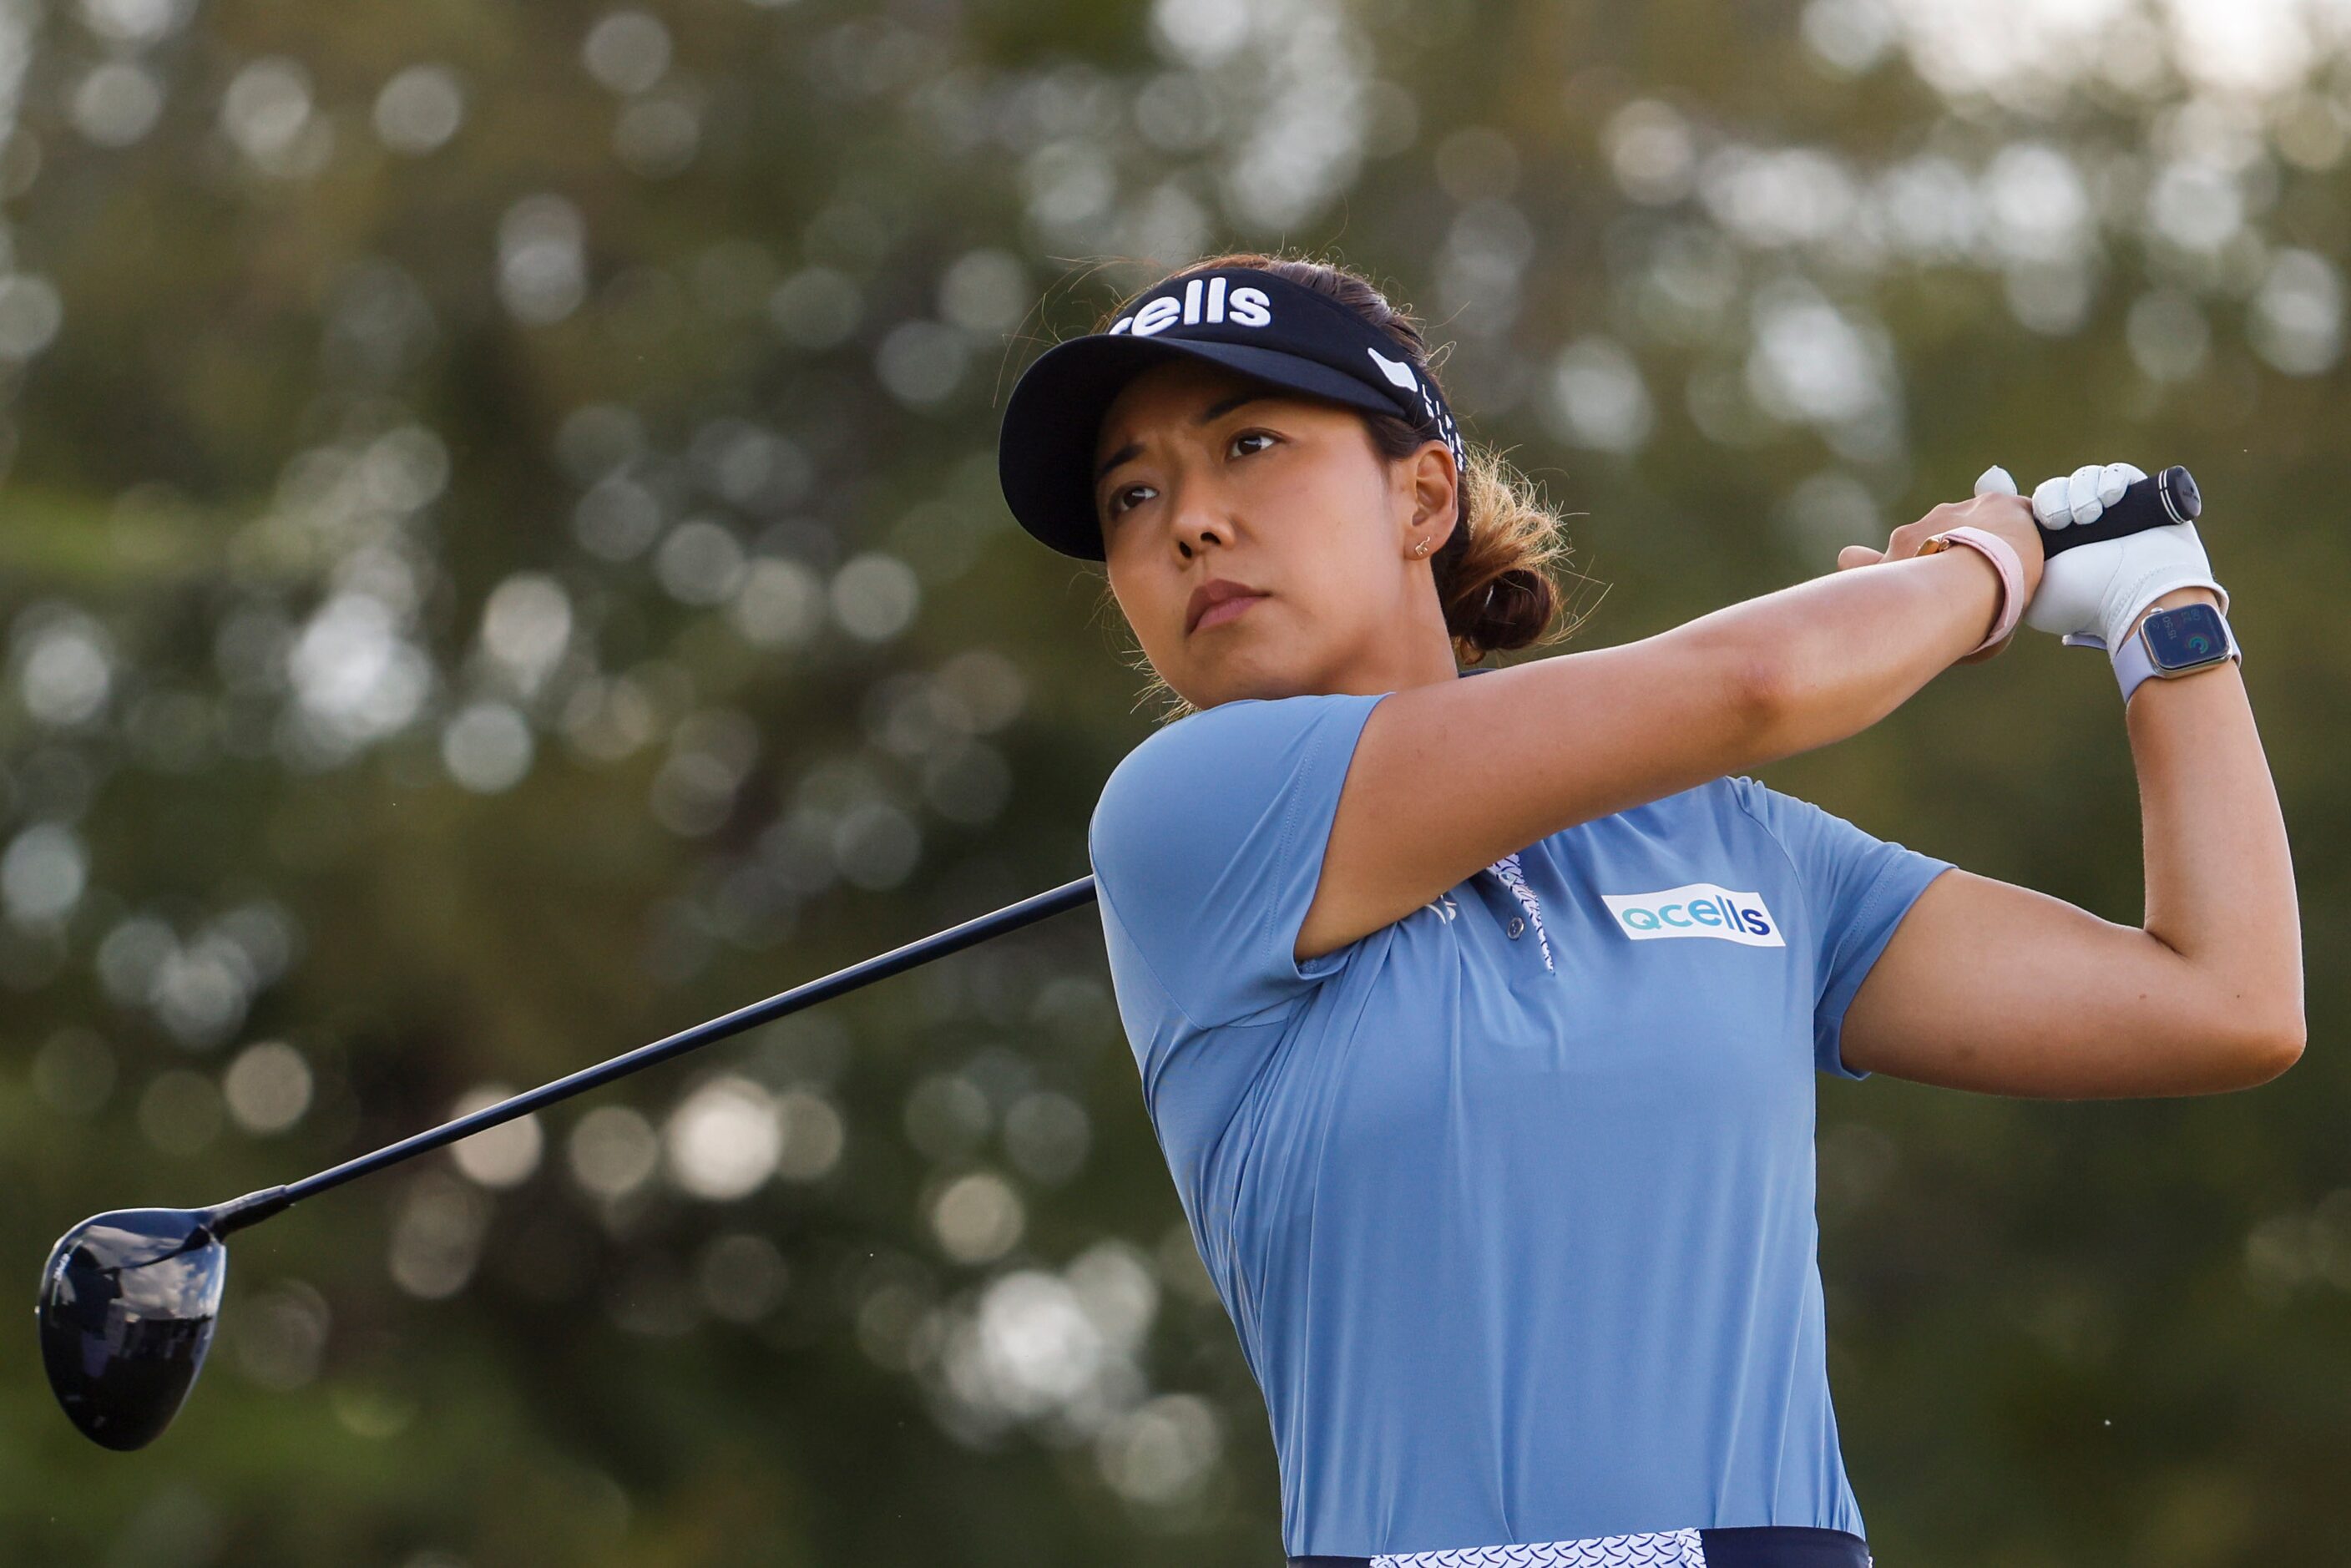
{"x": 1508, "y": 872}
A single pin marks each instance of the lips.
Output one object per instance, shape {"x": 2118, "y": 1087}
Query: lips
{"x": 1208, "y": 600}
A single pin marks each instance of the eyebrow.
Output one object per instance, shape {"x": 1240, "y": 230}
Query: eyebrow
{"x": 1126, "y": 454}
{"x": 1209, "y": 415}
{"x": 1216, "y": 412}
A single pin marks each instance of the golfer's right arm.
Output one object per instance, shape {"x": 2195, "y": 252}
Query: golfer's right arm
{"x": 1449, "y": 778}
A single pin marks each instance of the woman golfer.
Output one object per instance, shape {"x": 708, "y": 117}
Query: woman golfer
{"x": 1476, "y": 1017}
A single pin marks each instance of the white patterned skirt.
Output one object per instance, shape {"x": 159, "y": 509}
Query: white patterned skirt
{"x": 1755, "y": 1548}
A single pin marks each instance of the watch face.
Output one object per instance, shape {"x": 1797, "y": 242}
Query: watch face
{"x": 2186, "y": 638}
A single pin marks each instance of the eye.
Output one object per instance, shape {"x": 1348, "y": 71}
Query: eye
{"x": 1241, "y": 445}
{"x": 1126, "y": 496}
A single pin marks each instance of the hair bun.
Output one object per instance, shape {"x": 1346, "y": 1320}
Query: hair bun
{"x": 1496, "y": 576}
{"x": 1512, "y": 610}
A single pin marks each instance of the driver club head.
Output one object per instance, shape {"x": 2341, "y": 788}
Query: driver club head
{"x": 128, "y": 1302}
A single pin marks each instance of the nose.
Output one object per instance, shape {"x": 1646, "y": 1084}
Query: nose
{"x": 1200, "y": 518}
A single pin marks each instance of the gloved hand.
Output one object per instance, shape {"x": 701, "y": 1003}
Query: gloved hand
{"x": 2092, "y": 595}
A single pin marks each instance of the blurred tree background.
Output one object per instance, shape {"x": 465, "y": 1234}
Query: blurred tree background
{"x": 501, "y": 561}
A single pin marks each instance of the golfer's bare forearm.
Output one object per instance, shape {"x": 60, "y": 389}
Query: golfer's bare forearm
{"x": 2220, "y": 876}
{"x": 1844, "y": 651}
{"x": 1593, "y": 733}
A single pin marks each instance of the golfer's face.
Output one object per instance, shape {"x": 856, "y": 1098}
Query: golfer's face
{"x": 1207, "y": 481}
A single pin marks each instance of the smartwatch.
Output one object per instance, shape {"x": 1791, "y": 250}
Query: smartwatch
{"x": 2173, "y": 643}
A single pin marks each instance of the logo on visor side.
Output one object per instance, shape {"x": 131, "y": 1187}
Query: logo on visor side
{"x": 1204, "y": 301}
{"x": 1398, "y": 372}
{"x": 1400, "y": 376}
{"x": 1696, "y": 909}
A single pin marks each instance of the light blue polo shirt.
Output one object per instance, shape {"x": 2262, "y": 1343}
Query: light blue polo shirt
{"x": 1510, "y": 1200}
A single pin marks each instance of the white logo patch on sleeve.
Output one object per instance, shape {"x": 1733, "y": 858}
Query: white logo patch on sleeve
{"x": 1696, "y": 909}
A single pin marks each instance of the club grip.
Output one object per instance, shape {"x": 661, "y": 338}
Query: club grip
{"x": 2170, "y": 497}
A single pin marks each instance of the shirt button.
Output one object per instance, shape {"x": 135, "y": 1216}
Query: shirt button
{"x": 1517, "y": 927}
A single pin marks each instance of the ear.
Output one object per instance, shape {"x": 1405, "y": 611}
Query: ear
{"x": 1432, "y": 487}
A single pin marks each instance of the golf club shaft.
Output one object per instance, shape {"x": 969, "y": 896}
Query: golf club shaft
{"x": 256, "y": 1207}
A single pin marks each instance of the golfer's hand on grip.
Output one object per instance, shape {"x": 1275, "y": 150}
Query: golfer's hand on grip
{"x": 2093, "y": 594}
{"x": 1995, "y": 507}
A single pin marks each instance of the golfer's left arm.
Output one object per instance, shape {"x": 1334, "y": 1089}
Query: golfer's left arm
{"x": 1992, "y": 986}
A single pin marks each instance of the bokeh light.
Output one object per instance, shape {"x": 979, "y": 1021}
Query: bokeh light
{"x": 978, "y": 1217}
{"x": 505, "y": 1156}
{"x": 419, "y": 110}
{"x": 267, "y": 1087}
{"x": 723, "y": 1140}
{"x": 741, "y": 1277}
{"x": 180, "y": 1111}
{"x": 612, "y": 1151}
{"x": 436, "y": 1236}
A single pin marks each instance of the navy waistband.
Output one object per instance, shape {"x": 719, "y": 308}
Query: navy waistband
{"x": 1766, "y": 1546}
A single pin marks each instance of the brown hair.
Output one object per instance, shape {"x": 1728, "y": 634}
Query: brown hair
{"x": 1495, "y": 573}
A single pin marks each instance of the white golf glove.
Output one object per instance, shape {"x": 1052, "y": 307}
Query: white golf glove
{"x": 2090, "y": 595}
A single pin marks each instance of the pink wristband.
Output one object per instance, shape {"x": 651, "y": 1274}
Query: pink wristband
{"x": 2002, "y": 556}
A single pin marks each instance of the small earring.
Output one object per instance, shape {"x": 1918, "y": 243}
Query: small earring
{"x": 1421, "y": 548}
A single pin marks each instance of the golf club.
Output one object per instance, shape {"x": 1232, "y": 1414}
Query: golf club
{"x": 129, "y": 1298}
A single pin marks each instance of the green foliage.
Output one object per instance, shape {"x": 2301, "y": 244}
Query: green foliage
{"x": 502, "y": 563}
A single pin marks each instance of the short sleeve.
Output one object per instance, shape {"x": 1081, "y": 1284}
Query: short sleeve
{"x": 1857, "y": 890}
{"x": 1207, "y": 846}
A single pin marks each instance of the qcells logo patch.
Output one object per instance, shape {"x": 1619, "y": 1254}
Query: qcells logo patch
{"x": 1696, "y": 909}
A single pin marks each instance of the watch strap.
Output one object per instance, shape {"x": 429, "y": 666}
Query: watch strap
{"x": 2133, "y": 663}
